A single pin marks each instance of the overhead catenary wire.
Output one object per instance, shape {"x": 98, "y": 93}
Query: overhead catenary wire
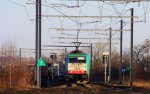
{"x": 24, "y": 6}
{"x": 145, "y": 11}
{"x": 60, "y": 13}
{"x": 119, "y": 14}
{"x": 15, "y": 3}
{"x": 65, "y": 14}
{"x": 93, "y": 21}
{"x": 69, "y": 29}
{"x": 84, "y": 38}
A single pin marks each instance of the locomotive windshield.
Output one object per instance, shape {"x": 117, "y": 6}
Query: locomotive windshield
{"x": 77, "y": 60}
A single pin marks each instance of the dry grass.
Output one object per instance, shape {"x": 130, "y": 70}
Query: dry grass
{"x": 144, "y": 84}
{"x": 16, "y": 76}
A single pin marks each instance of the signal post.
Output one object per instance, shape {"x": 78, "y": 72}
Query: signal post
{"x": 105, "y": 59}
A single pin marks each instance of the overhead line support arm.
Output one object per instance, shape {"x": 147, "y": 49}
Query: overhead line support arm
{"x": 63, "y": 16}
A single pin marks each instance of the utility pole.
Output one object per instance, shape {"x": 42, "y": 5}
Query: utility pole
{"x": 109, "y": 78}
{"x": 20, "y": 55}
{"x": 65, "y": 52}
{"x": 10, "y": 72}
{"x": 131, "y": 57}
{"x": 36, "y": 38}
{"x": 120, "y": 67}
{"x": 38, "y": 41}
{"x": 91, "y": 63}
{"x": 105, "y": 65}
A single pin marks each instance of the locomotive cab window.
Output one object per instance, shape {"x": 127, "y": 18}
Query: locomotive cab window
{"x": 81, "y": 59}
{"x": 73, "y": 60}
{"x": 77, "y": 60}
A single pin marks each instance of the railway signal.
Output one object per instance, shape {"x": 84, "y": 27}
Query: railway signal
{"x": 105, "y": 59}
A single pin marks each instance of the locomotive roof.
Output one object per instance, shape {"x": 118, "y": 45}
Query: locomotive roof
{"x": 77, "y": 52}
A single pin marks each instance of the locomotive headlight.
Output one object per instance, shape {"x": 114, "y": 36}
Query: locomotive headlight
{"x": 83, "y": 72}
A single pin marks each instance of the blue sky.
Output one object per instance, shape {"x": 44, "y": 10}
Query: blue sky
{"x": 15, "y": 22}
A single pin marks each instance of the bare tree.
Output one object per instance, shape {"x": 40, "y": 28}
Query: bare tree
{"x": 142, "y": 54}
{"x": 8, "y": 47}
{"x": 98, "y": 53}
{"x": 13, "y": 74}
{"x": 7, "y": 50}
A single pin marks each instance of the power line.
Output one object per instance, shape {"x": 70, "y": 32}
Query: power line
{"x": 21, "y": 5}
{"x": 60, "y": 13}
{"x": 15, "y": 3}
{"x": 114, "y": 0}
{"x": 28, "y": 14}
{"x": 65, "y": 29}
{"x": 56, "y": 16}
{"x": 85, "y": 38}
{"x": 61, "y": 46}
{"x": 85, "y": 43}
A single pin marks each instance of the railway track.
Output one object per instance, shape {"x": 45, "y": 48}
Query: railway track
{"x": 79, "y": 88}
{"x": 75, "y": 85}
